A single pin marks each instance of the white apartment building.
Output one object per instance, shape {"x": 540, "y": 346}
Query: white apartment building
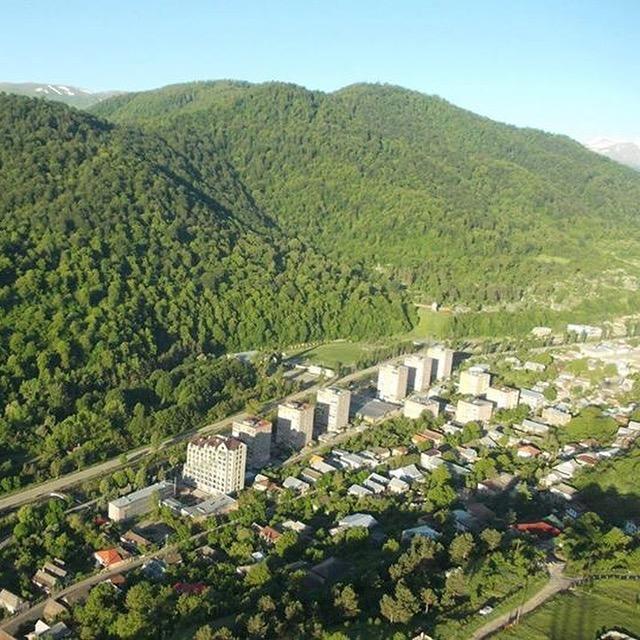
{"x": 474, "y": 381}
{"x": 419, "y": 375}
{"x": 503, "y": 397}
{"x": 475, "y": 410}
{"x": 415, "y": 406}
{"x": 444, "y": 358}
{"x": 256, "y": 434}
{"x": 295, "y": 424}
{"x": 332, "y": 409}
{"x": 216, "y": 463}
{"x": 392, "y": 382}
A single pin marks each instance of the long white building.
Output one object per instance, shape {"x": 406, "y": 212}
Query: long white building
{"x": 332, "y": 409}
{"x": 216, "y": 463}
{"x": 419, "y": 372}
{"x": 392, "y": 382}
{"x": 474, "y": 381}
{"x": 295, "y": 424}
{"x": 256, "y": 434}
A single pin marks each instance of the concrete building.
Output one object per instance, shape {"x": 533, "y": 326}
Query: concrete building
{"x": 503, "y": 397}
{"x": 444, "y": 358}
{"x": 256, "y": 434}
{"x": 475, "y": 410}
{"x": 420, "y": 369}
{"x": 556, "y": 416}
{"x": 533, "y": 399}
{"x": 415, "y": 406}
{"x": 474, "y": 381}
{"x": 392, "y": 382}
{"x": 139, "y": 502}
{"x": 216, "y": 463}
{"x": 295, "y": 424}
{"x": 332, "y": 409}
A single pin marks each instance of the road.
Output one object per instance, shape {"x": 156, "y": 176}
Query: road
{"x": 38, "y": 492}
{"x": 558, "y": 582}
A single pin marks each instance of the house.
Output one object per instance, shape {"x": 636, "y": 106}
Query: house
{"x": 528, "y": 451}
{"x": 533, "y": 427}
{"x": 268, "y": 534}
{"x": 424, "y": 531}
{"x": 375, "y": 487}
{"x": 533, "y": 399}
{"x": 45, "y": 580}
{"x": 464, "y": 521}
{"x": 563, "y": 490}
{"x": 189, "y": 588}
{"x": 540, "y": 529}
{"x": 538, "y": 367}
{"x": 11, "y": 602}
{"x": 359, "y": 491}
{"x": 299, "y": 527}
{"x": 400, "y": 450}
{"x": 299, "y": 486}
{"x": 467, "y": 454}
{"x": 310, "y": 475}
{"x": 397, "y": 485}
{"x": 358, "y": 520}
{"x": 436, "y": 437}
{"x": 53, "y": 609}
{"x": 566, "y": 469}
{"x": 108, "y": 557}
{"x": 586, "y": 460}
{"x": 326, "y": 572}
{"x": 134, "y": 538}
{"x": 556, "y": 416}
{"x": 431, "y": 459}
{"x": 501, "y": 483}
{"x": 409, "y": 474}
{"x": 154, "y": 569}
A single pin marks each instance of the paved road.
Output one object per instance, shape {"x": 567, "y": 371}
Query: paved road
{"x": 557, "y": 582}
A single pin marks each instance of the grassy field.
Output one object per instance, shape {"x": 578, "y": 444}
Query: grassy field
{"x": 431, "y": 324}
{"x": 334, "y": 353}
{"x": 581, "y": 614}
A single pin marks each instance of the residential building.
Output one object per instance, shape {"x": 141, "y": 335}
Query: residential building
{"x": 11, "y": 602}
{"x": 256, "y": 434}
{"x": 419, "y": 372}
{"x": 585, "y": 330}
{"x": 392, "y": 382}
{"x": 139, "y": 502}
{"x": 503, "y": 397}
{"x": 474, "y": 381}
{"x": 530, "y": 365}
{"x": 295, "y": 424}
{"x": 532, "y": 427}
{"x": 108, "y": 557}
{"x": 533, "y": 399}
{"x": 475, "y": 410}
{"x": 444, "y": 358}
{"x": 358, "y": 520}
{"x": 424, "y": 531}
{"x": 216, "y": 463}
{"x": 556, "y": 416}
{"x": 415, "y": 406}
{"x": 332, "y": 409}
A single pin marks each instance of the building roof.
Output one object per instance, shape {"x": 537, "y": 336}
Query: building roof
{"x": 107, "y": 557}
{"x": 9, "y": 599}
{"x": 217, "y": 441}
{"x": 141, "y": 494}
{"x": 537, "y": 528}
{"x": 358, "y": 520}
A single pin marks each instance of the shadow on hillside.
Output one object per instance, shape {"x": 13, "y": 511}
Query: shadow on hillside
{"x": 609, "y": 504}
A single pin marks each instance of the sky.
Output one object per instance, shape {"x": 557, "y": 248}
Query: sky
{"x": 566, "y": 66}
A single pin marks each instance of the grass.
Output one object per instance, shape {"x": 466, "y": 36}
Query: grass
{"x": 334, "y": 353}
{"x": 431, "y": 324}
{"x": 581, "y": 614}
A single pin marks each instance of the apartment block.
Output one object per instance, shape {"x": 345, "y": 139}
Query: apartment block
{"x": 475, "y": 410}
{"x": 419, "y": 372}
{"x": 444, "y": 359}
{"x": 332, "y": 409}
{"x": 392, "y": 382}
{"x": 474, "y": 381}
{"x": 216, "y": 463}
{"x": 503, "y": 397}
{"x": 556, "y": 416}
{"x": 256, "y": 434}
{"x": 295, "y": 424}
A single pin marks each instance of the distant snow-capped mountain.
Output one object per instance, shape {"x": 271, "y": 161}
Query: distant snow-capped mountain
{"x": 627, "y": 153}
{"x": 74, "y": 96}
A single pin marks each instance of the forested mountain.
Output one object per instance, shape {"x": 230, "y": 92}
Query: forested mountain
{"x": 73, "y": 96}
{"x": 119, "y": 262}
{"x": 459, "y": 207}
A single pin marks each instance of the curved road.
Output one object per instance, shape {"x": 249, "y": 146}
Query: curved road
{"x": 557, "y": 582}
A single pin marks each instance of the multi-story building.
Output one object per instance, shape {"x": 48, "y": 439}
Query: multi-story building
{"x": 415, "y": 406}
{"x": 256, "y": 434}
{"x": 503, "y": 397}
{"x": 295, "y": 424}
{"x": 392, "y": 382}
{"x": 475, "y": 410}
{"x": 444, "y": 358}
{"x": 556, "y": 416}
{"x": 216, "y": 463}
{"x": 474, "y": 381}
{"x": 139, "y": 502}
{"x": 332, "y": 409}
{"x": 419, "y": 375}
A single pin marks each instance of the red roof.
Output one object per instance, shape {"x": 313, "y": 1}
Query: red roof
{"x": 270, "y": 534}
{"x": 537, "y": 528}
{"x": 107, "y": 557}
{"x": 190, "y": 588}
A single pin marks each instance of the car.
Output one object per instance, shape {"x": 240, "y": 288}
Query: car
{"x": 486, "y": 610}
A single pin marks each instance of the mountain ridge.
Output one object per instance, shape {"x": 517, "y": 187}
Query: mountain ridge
{"x": 65, "y": 93}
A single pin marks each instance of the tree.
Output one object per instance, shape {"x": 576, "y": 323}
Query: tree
{"x": 345, "y": 600}
{"x": 461, "y": 547}
{"x": 400, "y": 607}
{"x": 428, "y": 598}
{"x": 491, "y": 538}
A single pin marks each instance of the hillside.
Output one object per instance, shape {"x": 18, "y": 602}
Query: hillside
{"x": 458, "y": 207}
{"x": 73, "y": 96}
{"x": 119, "y": 263}
{"x": 626, "y": 153}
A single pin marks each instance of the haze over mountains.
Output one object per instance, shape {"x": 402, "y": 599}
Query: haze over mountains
{"x": 67, "y": 94}
{"x": 627, "y": 153}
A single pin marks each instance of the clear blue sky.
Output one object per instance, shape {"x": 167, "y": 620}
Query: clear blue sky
{"x": 570, "y": 66}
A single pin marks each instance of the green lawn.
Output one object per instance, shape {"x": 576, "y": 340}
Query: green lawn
{"x": 431, "y": 324}
{"x": 580, "y": 614}
{"x": 334, "y": 353}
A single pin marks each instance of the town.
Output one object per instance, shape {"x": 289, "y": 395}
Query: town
{"x": 439, "y": 447}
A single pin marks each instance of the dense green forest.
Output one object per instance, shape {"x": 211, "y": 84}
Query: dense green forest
{"x": 125, "y": 275}
{"x": 456, "y": 206}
